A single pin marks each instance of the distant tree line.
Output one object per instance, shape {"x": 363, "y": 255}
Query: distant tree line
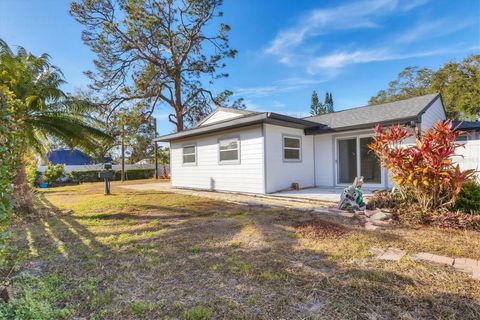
{"x": 458, "y": 83}
{"x": 317, "y": 107}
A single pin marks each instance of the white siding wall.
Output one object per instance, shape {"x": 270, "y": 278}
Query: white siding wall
{"x": 433, "y": 114}
{"x": 281, "y": 174}
{"x": 220, "y": 116}
{"x": 469, "y": 156}
{"x": 209, "y": 174}
{"x": 324, "y": 166}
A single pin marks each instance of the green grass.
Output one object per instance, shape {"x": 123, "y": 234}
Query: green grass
{"x": 155, "y": 255}
{"x": 200, "y": 312}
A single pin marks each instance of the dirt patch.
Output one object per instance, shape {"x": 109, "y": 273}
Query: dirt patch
{"x": 320, "y": 229}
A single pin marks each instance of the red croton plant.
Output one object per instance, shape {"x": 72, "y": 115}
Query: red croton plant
{"x": 425, "y": 168}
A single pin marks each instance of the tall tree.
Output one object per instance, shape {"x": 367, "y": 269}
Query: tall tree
{"x": 140, "y": 142}
{"x": 316, "y": 107}
{"x": 157, "y": 51}
{"x": 328, "y": 104}
{"x": 42, "y": 112}
{"x": 458, "y": 82}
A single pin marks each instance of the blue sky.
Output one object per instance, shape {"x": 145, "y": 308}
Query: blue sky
{"x": 286, "y": 48}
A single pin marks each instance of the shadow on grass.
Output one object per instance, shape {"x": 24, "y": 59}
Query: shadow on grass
{"x": 240, "y": 261}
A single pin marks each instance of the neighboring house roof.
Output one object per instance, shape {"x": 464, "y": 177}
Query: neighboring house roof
{"x": 71, "y": 157}
{"x": 242, "y": 121}
{"x": 367, "y": 116}
{"x": 466, "y": 125}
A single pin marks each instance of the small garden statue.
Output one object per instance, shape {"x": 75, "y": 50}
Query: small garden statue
{"x": 352, "y": 196}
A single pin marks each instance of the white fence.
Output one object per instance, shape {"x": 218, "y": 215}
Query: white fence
{"x": 86, "y": 167}
{"x": 469, "y": 156}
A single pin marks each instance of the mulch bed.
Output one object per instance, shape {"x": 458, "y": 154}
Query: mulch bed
{"x": 320, "y": 229}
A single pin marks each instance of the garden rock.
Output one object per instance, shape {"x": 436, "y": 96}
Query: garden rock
{"x": 321, "y": 211}
{"x": 370, "y": 213}
{"x": 370, "y": 226}
{"x": 380, "y": 216}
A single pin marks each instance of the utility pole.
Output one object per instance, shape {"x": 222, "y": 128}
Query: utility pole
{"x": 122, "y": 175}
{"x": 155, "y": 147}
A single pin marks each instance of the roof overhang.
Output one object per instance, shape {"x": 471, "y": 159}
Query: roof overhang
{"x": 266, "y": 117}
{"x": 325, "y": 129}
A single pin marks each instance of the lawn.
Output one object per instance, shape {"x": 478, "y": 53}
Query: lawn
{"x": 149, "y": 255}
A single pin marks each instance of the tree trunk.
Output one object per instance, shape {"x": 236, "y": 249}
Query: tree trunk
{"x": 179, "y": 116}
{"x": 21, "y": 191}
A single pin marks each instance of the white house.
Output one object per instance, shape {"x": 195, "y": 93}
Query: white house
{"x": 265, "y": 152}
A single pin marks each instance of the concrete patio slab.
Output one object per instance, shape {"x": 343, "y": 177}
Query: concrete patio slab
{"x": 319, "y": 193}
{"x": 236, "y": 197}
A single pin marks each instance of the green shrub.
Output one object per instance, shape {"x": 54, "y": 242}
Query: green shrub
{"x": 36, "y": 298}
{"x": 84, "y": 176}
{"x": 92, "y": 175}
{"x": 9, "y": 136}
{"x": 32, "y": 175}
{"x": 469, "y": 198}
{"x": 52, "y": 173}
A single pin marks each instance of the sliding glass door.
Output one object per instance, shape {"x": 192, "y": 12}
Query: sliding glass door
{"x": 369, "y": 164}
{"x": 347, "y": 160}
{"x": 355, "y": 158}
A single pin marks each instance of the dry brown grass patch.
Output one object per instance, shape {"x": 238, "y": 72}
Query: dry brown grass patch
{"x": 320, "y": 229}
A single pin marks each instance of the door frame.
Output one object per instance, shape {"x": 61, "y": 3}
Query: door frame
{"x": 336, "y": 166}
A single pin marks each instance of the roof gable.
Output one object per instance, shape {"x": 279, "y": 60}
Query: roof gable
{"x": 221, "y": 114}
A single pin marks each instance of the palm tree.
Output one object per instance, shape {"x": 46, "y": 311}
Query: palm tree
{"x": 45, "y": 113}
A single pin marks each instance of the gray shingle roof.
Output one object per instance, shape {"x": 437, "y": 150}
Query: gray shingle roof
{"x": 408, "y": 109}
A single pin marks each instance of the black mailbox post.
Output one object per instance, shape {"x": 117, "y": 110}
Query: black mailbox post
{"x": 107, "y": 173}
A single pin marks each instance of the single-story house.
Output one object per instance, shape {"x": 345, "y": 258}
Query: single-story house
{"x": 471, "y": 129}
{"x": 71, "y": 157}
{"x": 265, "y": 152}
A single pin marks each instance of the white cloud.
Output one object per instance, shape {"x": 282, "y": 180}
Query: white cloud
{"x": 293, "y": 46}
{"x": 253, "y": 106}
{"x": 340, "y": 59}
{"x": 321, "y": 21}
{"x": 262, "y": 91}
{"x": 432, "y": 29}
{"x": 279, "y": 86}
{"x": 412, "y": 4}
{"x": 299, "y": 81}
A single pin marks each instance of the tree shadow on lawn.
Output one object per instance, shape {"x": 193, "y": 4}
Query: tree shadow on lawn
{"x": 239, "y": 261}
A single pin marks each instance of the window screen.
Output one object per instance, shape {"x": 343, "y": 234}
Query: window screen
{"x": 189, "y": 155}
{"x": 228, "y": 149}
{"x": 291, "y": 148}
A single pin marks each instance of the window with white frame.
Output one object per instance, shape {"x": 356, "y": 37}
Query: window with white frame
{"x": 229, "y": 150}
{"x": 190, "y": 154}
{"x": 292, "y": 148}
